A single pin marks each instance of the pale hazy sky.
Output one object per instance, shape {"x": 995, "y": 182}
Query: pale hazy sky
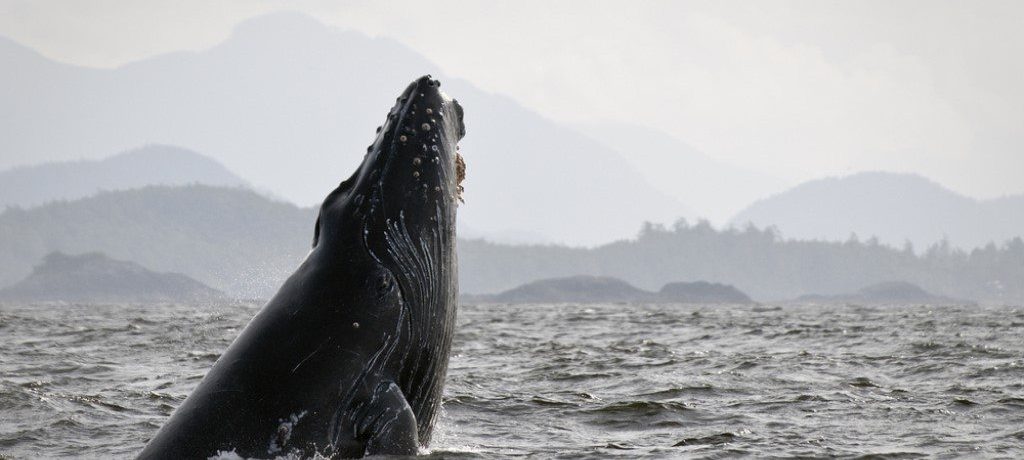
{"x": 794, "y": 89}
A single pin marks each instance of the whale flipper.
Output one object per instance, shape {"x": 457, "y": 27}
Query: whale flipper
{"x": 391, "y": 424}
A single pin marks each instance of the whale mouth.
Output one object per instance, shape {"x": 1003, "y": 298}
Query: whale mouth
{"x": 460, "y": 175}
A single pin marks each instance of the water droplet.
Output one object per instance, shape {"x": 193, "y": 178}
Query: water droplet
{"x": 403, "y": 138}
{"x": 429, "y": 111}
{"x": 416, "y": 161}
{"x": 355, "y": 325}
{"x": 433, "y": 147}
{"x": 415, "y": 174}
{"x": 425, "y": 126}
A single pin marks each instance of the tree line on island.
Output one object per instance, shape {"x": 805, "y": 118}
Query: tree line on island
{"x": 759, "y": 262}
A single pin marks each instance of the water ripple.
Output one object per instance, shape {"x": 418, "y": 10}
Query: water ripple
{"x": 573, "y": 381}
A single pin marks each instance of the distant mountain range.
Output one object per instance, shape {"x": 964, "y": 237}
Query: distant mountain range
{"x": 291, "y": 104}
{"x": 245, "y": 244}
{"x": 895, "y": 208}
{"x": 27, "y": 186}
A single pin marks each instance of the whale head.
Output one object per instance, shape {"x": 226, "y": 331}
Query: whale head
{"x": 395, "y": 219}
{"x": 410, "y": 176}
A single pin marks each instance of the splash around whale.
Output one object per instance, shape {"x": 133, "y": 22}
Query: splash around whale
{"x": 349, "y": 357}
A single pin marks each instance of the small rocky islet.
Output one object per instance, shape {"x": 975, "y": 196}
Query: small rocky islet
{"x": 885, "y": 293}
{"x": 593, "y": 289}
{"x": 96, "y": 278}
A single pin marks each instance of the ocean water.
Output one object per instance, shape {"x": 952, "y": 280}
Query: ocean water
{"x": 573, "y": 381}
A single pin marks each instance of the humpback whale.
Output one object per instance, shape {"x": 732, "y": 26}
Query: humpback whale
{"x": 349, "y": 357}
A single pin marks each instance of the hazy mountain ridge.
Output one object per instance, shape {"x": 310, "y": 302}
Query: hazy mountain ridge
{"x": 290, "y": 104}
{"x": 892, "y": 207}
{"x": 231, "y": 239}
{"x": 245, "y": 244}
{"x": 27, "y": 186}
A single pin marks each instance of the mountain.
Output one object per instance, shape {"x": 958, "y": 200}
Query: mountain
{"x": 892, "y": 207}
{"x": 290, "y": 105}
{"x": 95, "y": 278}
{"x": 682, "y": 171}
{"x": 28, "y": 186}
{"x": 231, "y": 239}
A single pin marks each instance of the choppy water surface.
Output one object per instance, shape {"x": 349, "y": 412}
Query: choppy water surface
{"x": 572, "y": 381}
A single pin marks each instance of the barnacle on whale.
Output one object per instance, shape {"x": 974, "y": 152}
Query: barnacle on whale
{"x": 460, "y": 174}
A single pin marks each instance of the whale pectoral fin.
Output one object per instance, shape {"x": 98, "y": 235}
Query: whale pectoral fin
{"x": 392, "y": 428}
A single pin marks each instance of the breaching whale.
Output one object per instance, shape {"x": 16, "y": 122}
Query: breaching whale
{"x": 349, "y": 357}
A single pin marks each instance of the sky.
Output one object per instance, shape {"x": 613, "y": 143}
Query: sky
{"x": 796, "y": 90}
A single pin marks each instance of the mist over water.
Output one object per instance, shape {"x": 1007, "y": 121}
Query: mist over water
{"x": 572, "y": 381}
